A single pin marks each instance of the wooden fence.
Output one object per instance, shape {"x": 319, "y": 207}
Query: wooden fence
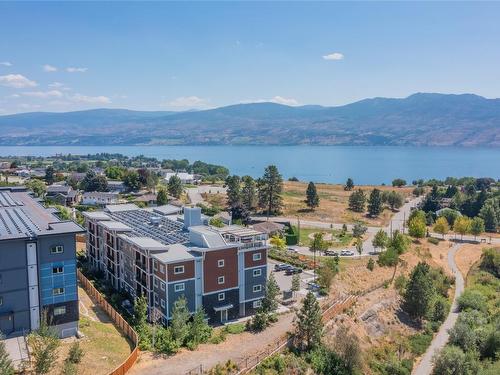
{"x": 117, "y": 319}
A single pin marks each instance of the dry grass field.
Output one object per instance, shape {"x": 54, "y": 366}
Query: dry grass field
{"x": 333, "y": 205}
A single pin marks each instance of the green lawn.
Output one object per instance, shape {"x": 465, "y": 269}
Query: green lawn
{"x": 343, "y": 240}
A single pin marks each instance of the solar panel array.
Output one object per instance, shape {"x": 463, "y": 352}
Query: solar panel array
{"x": 143, "y": 222}
{"x": 14, "y": 221}
{"x": 6, "y": 200}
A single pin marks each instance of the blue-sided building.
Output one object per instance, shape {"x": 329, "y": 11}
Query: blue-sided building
{"x": 37, "y": 266}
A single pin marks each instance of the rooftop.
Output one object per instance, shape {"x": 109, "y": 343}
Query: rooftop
{"x": 21, "y": 216}
{"x": 174, "y": 253}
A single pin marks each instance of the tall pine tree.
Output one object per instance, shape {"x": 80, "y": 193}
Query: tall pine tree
{"x": 375, "y": 203}
{"x": 312, "y": 198}
{"x": 308, "y": 326}
{"x": 270, "y": 187}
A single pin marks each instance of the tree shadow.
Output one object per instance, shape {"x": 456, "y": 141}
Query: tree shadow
{"x": 406, "y": 320}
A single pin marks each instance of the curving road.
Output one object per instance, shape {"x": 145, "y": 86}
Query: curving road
{"x": 425, "y": 366}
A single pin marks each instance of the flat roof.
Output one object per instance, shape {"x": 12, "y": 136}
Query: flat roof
{"x": 239, "y": 231}
{"x": 174, "y": 253}
{"x": 22, "y": 216}
{"x": 121, "y": 207}
{"x": 145, "y": 242}
{"x": 116, "y": 225}
{"x": 99, "y": 215}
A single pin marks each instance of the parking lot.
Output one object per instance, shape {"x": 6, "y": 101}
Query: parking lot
{"x": 285, "y": 281}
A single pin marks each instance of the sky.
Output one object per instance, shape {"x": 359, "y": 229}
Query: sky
{"x": 180, "y": 56}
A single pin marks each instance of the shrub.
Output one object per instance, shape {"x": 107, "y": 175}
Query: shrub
{"x": 371, "y": 264}
{"x": 433, "y": 240}
{"x": 440, "y": 309}
{"x": 400, "y": 283}
{"x": 472, "y": 299}
{"x": 420, "y": 342}
{"x": 69, "y": 368}
{"x": 235, "y": 328}
{"x": 491, "y": 261}
{"x": 75, "y": 353}
{"x": 452, "y": 360}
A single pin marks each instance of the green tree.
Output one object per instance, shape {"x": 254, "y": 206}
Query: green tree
{"x": 318, "y": 243}
{"x": 477, "y": 226}
{"x": 359, "y": 245}
{"x": 44, "y": 344}
{"x": 174, "y": 186}
{"x": 462, "y": 226}
{"x": 349, "y": 185}
{"x": 419, "y": 293}
{"x": 396, "y": 246}
{"x": 179, "y": 323}
{"x": 6, "y": 367}
{"x": 295, "y": 283}
{"x": 75, "y": 353}
{"x": 490, "y": 213}
{"x": 375, "y": 203}
{"x": 38, "y": 187}
{"x": 451, "y": 360}
{"x": 398, "y": 182}
{"x": 216, "y": 222}
{"x": 162, "y": 197}
{"x": 450, "y": 215}
{"x": 140, "y": 312}
{"x": 199, "y": 330}
{"x": 270, "y": 300}
{"x": 395, "y": 200}
{"x": 312, "y": 198}
{"x": 357, "y": 201}
{"x": 346, "y": 345}
{"x": 278, "y": 242}
{"x": 270, "y": 187}
{"x": 233, "y": 191}
{"x": 417, "y": 227}
{"x": 94, "y": 182}
{"x": 115, "y": 172}
{"x": 442, "y": 227}
{"x": 358, "y": 230}
{"x": 380, "y": 240}
{"x": 50, "y": 175}
{"x": 308, "y": 325}
{"x": 326, "y": 274}
{"x": 131, "y": 180}
{"x": 371, "y": 264}
{"x": 249, "y": 193}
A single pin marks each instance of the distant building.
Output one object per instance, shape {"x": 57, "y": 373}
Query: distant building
{"x": 116, "y": 186}
{"x": 100, "y": 198}
{"x": 63, "y": 195}
{"x": 37, "y": 266}
{"x": 151, "y": 252}
{"x": 148, "y": 199}
{"x": 186, "y": 178}
{"x": 269, "y": 227}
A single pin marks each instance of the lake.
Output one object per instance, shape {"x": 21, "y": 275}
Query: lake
{"x": 366, "y": 165}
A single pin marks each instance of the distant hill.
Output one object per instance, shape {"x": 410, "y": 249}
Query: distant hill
{"x": 420, "y": 119}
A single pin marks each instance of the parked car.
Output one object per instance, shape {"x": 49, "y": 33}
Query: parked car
{"x": 331, "y": 253}
{"x": 281, "y": 267}
{"x": 291, "y": 250}
{"x": 293, "y": 270}
{"x": 312, "y": 286}
{"x": 347, "y": 253}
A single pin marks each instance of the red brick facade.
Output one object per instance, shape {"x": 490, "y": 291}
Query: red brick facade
{"x": 212, "y": 271}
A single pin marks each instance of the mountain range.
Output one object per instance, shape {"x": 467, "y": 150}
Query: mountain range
{"x": 422, "y": 119}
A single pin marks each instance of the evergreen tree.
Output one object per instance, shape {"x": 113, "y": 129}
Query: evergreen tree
{"x": 162, "y": 197}
{"x": 349, "y": 185}
{"x": 395, "y": 200}
{"x": 6, "y": 367}
{"x": 175, "y": 186}
{"x": 375, "y": 203}
{"x": 312, "y": 198}
{"x": 93, "y": 182}
{"x": 180, "y": 319}
{"x": 358, "y": 230}
{"x": 309, "y": 326}
{"x": 270, "y": 187}
{"x": 233, "y": 191}
{"x": 240, "y": 212}
{"x": 140, "y": 312}
{"x": 490, "y": 212}
{"x": 199, "y": 330}
{"x": 131, "y": 180}
{"x": 50, "y": 175}
{"x": 419, "y": 293}
{"x": 295, "y": 283}
{"x": 249, "y": 193}
{"x": 357, "y": 201}
{"x": 270, "y": 300}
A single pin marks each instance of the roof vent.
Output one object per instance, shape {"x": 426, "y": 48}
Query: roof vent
{"x": 155, "y": 220}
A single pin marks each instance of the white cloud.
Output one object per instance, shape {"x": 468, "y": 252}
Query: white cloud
{"x": 59, "y": 85}
{"x": 17, "y": 81}
{"x": 14, "y": 96}
{"x": 49, "y": 68}
{"x": 44, "y": 94}
{"x": 5, "y": 63}
{"x": 188, "y": 101}
{"x": 79, "y": 98}
{"x": 29, "y": 106}
{"x": 334, "y": 56}
{"x": 72, "y": 69}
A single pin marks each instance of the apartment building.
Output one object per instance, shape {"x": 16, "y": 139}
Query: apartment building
{"x": 37, "y": 266}
{"x": 165, "y": 256}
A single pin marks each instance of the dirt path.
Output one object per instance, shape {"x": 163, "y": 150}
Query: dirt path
{"x": 235, "y": 348}
{"x": 425, "y": 366}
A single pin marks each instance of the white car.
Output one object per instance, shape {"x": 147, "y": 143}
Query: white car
{"x": 347, "y": 253}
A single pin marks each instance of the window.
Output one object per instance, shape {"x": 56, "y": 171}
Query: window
{"x": 221, "y": 296}
{"x": 162, "y": 286}
{"x": 56, "y": 270}
{"x": 220, "y": 280}
{"x": 156, "y": 298}
{"x": 178, "y": 269}
{"x": 155, "y": 282}
{"x": 1, "y": 301}
{"x": 162, "y": 303}
{"x": 257, "y": 288}
{"x": 179, "y": 287}
{"x": 155, "y": 265}
{"x": 162, "y": 268}
{"x": 256, "y": 257}
{"x": 257, "y": 272}
{"x": 58, "y": 249}
{"x": 57, "y": 291}
{"x": 257, "y": 304}
{"x": 220, "y": 263}
{"x": 60, "y": 310}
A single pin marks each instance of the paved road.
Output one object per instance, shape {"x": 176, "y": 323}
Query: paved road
{"x": 425, "y": 366}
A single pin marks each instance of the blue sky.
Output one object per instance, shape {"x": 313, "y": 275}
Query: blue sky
{"x": 177, "y": 56}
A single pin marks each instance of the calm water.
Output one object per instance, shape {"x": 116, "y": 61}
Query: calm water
{"x": 366, "y": 165}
